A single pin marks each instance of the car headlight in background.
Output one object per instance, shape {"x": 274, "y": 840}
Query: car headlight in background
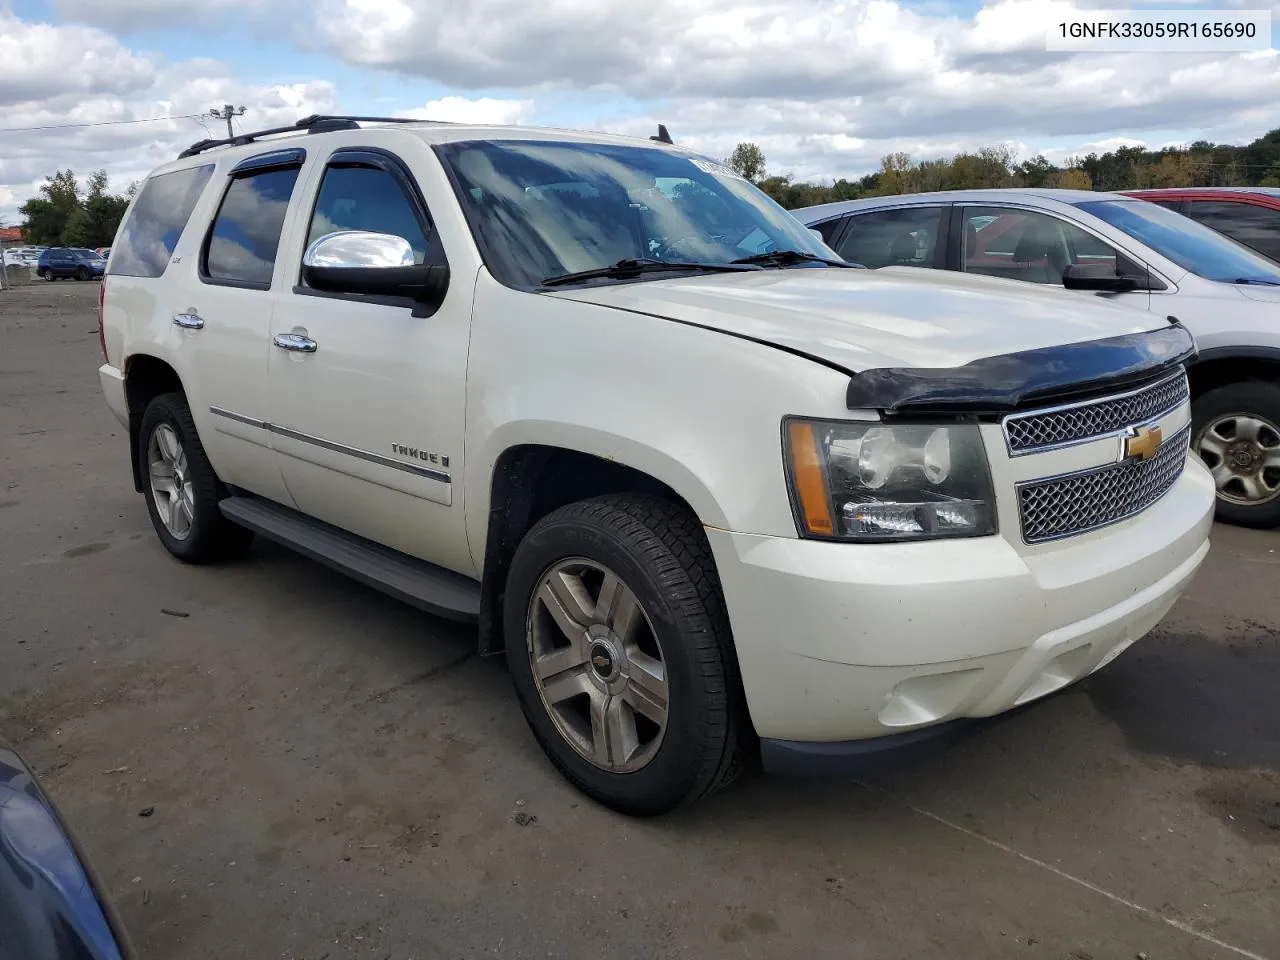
{"x": 882, "y": 482}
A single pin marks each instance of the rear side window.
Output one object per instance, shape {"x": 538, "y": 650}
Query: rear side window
{"x": 242, "y": 244}
{"x": 905, "y": 236}
{"x": 159, "y": 215}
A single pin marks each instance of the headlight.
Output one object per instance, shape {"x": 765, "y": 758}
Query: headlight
{"x": 876, "y": 481}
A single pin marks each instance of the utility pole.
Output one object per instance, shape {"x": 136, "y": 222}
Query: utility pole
{"x": 226, "y": 113}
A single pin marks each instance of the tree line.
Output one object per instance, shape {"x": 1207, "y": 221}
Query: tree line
{"x": 64, "y": 215}
{"x": 1202, "y": 164}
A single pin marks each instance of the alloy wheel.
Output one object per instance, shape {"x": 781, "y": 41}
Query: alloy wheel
{"x": 1242, "y": 451}
{"x": 597, "y": 665}
{"x": 171, "y": 488}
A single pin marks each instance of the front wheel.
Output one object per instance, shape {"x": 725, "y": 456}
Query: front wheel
{"x": 82, "y": 273}
{"x": 620, "y": 650}
{"x": 1237, "y": 435}
{"x": 181, "y": 488}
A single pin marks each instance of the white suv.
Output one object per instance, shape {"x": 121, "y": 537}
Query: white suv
{"x": 702, "y": 483}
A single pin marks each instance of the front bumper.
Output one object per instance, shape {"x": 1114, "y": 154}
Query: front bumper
{"x": 848, "y": 642}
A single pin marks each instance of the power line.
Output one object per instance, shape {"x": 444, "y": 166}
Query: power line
{"x": 99, "y": 123}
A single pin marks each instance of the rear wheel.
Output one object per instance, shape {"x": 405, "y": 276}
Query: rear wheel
{"x": 619, "y": 647}
{"x": 1237, "y": 435}
{"x": 44, "y": 273}
{"x": 181, "y": 489}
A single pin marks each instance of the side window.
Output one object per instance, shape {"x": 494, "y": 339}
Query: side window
{"x": 1254, "y": 226}
{"x": 1026, "y": 245}
{"x": 366, "y": 198}
{"x": 159, "y": 215}
{"x": 829, "y": 229}
{"x": 902, "y": 237}
{"x": 241, "y": 249}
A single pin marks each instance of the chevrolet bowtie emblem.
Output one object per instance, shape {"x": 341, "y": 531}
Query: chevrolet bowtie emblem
{"x": 1141, "y": 443}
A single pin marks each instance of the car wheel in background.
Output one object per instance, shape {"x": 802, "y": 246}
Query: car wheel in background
{"x": 1237, "y": 435}
{"x": 44, "y": 273}
{"x": 619, "y": 646}
{"x": 181, "y": 489}
{"x": 82, "y": 273}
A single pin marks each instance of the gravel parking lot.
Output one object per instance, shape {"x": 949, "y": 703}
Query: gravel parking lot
{"x": 332, "y": 774}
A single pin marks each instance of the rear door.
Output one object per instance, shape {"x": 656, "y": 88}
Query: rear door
{"x": 224, "y": 313}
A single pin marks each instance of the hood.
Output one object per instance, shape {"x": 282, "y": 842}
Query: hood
{"x": 861, "y": 319}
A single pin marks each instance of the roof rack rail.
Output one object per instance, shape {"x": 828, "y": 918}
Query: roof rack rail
{"x": 316, "y": 123}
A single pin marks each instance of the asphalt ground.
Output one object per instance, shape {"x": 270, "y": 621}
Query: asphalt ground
{"x": 333, "y": 774}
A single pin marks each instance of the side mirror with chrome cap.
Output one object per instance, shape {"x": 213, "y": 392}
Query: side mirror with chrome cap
{"x": 373, "y": 264}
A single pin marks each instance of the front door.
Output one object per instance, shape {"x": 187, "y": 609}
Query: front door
{"x": 367, "y": 398}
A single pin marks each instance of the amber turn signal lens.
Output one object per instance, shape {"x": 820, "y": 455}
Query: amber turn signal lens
{"x": 810, "y": 479}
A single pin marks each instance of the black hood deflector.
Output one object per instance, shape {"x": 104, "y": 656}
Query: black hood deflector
{"x": 998, "y": 385}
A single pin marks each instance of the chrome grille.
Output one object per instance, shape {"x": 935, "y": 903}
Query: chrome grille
{"x": 1077, "y": 423}
{"x": 1078, "y": 502}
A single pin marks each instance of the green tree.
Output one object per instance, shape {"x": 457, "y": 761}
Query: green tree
{"x": 747, "y": 160}
{"x": 1034, "y": 172}
{"x": 95, "y": 222}
{"x": 46, "y": 217}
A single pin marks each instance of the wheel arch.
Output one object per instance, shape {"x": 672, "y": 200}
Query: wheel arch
{"x": 145, "y": 378}
{"x": 1218, "y": 366}
{"x": 527, "y": 482}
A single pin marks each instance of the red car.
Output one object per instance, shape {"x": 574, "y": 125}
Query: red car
{"x": 1248, "y": 215}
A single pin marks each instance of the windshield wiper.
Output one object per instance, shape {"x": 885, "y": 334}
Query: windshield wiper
{"x": 1261, "y": 281}
{"x": 785, "y": 257}
{"x": 634, "y": 266}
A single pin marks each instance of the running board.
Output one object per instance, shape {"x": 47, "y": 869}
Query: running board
{"x": 424, "y": 585}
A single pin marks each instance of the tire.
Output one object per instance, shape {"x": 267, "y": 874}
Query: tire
{"x": 658, "y": 552}
{"x": 82, "y": 274}
{"x": 208, "y": 536}
{"x": 46, "y": 274}
{"x": 1223, "y": 419}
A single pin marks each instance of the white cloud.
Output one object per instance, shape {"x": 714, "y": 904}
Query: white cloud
{"x": 825, "y": 87}
{"x": 479, "y": 110}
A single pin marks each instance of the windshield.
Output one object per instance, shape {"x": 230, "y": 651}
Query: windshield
{"x": 545, "y": 209}
{"x": 1190, "y": 245}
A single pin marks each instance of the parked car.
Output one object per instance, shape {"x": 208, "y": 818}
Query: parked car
{"x": 1129, "y": 252}
{"x": 59, "y": 263}
{"x": 1248, "y": 215}
{"x": 52, "y": 904}
{"x": 13, "y": 258}
{"x": 701, "y": 481}
{"x": 103, "y": 252}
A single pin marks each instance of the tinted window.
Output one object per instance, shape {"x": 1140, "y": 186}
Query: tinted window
{"x": 902, "y": 237}
{"x": 1026, "y": 245}
{"x": 159, "y": 215}
{"x": 364, "y": 198}
{"x": 1190, "y": 245}
{"x": 829, "y": 229}
{"x": 1254, "y": 226}
{"x": 246, "y": 231}
{"x": 541, "y": 210}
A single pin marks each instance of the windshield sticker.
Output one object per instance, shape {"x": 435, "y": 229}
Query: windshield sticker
{"x": 715, "y": 169}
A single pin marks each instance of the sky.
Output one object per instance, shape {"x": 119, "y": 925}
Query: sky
{"x": 824, "y": 87}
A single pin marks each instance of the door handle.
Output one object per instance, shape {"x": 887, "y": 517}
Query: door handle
{"x": 295, "y": 342}
{"x": 189, "y": 320}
